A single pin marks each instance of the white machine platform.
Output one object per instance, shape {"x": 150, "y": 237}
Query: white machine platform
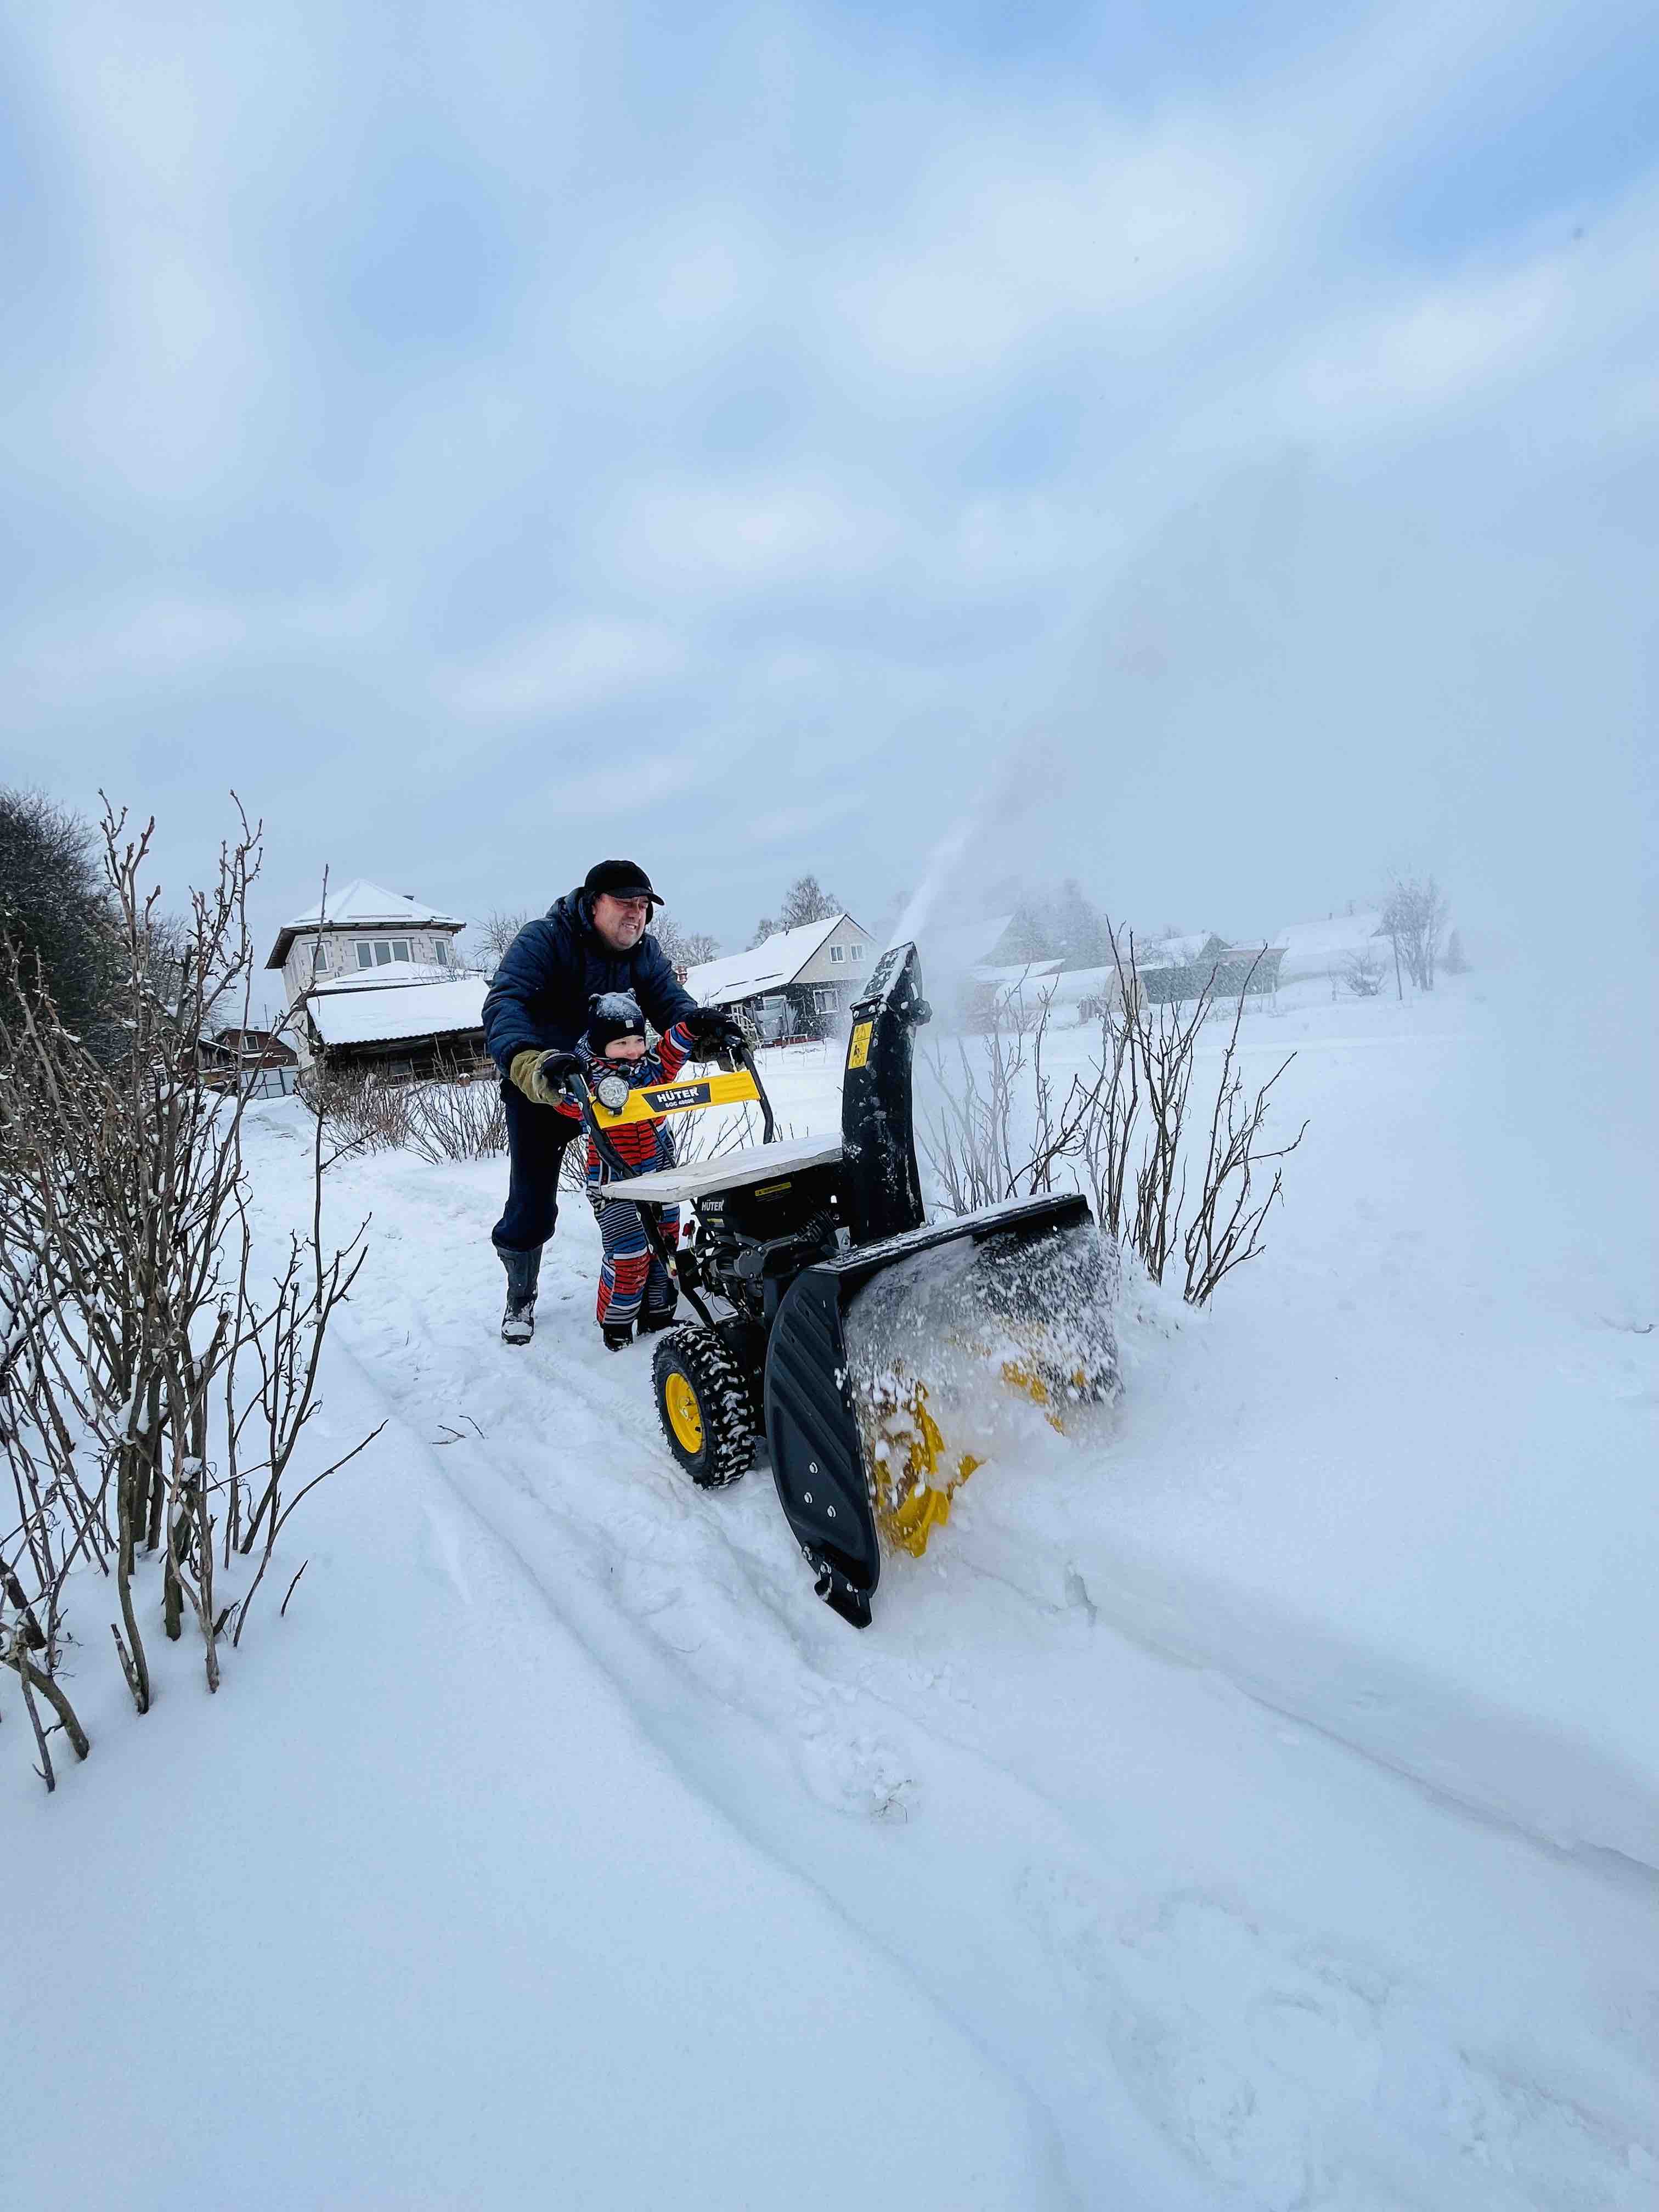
{"x": 754, "y": 1164}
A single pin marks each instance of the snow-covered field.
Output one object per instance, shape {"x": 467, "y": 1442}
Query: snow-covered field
{"x": 1252, "y": 1800}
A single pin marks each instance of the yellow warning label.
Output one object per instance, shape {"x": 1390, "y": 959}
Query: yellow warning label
{"x": 858, "y": 1051}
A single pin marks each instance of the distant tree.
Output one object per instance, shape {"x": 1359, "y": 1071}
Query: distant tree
{"x": 804, "y": 901}
{"x": 1455, "y": 962}
{"x": 686, "y": 948}
{"x": 56, "y": 908}
{"x": 1414, "y": 916}
{"x": 490, "y": 940}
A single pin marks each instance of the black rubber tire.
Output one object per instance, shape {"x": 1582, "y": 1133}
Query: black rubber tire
{"x": 698, "y": 1358}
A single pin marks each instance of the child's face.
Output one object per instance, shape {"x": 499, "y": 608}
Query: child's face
{"x": 625, "y": 1048}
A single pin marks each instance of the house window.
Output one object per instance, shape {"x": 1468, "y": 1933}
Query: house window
{"x": 319, "y": 960}
{"x": 400, "y": 948}
{"x": 855, "y": 952}
{"x": 440, "y": 951}
{"x": 826, "y": 1001}
{"x": 837, "y": 954}
{"x": 365, "y": 956}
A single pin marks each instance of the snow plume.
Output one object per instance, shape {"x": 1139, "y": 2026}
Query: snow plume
{"x": 1003, "y": 797}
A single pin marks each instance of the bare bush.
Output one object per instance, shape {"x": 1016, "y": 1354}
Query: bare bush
{"x": 1225, "y": 1229}
{"x": 362, "y": 1111}
{"x": 140, "y": 1352}
{"x": 456, "y": 1119}
{"x": 1364, "y": 973}
{"x": 999, "y": 1127}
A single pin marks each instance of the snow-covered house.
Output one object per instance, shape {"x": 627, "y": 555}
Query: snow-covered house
{"x": 1326, "y": 947}
{"x": 380, "y": 982}
{"x": 399, "y": 1029}
{"x": 796, "y": 983}
{"x": 359, "y": 929}
{"x": 1178, "y": 969}
{"x": 256, "y": 1061}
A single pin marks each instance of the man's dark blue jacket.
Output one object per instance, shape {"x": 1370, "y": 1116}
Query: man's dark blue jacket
{"x": 553, "y": 967}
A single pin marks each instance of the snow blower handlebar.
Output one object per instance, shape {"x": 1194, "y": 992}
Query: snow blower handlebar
{"x": 738, "y": 1083}
{"x": 735, "y": 1085}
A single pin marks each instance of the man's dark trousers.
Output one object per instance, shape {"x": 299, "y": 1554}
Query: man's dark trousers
{"x": 536, "y": 1138}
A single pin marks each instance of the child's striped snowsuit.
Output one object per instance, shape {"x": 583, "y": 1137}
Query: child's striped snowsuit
{"x": 629, "y": 1276}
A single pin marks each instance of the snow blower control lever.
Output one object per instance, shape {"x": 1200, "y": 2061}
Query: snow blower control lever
{"x": 826, "y": 1307}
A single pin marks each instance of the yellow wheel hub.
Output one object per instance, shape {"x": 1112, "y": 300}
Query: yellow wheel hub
{"x": 685, "y": 1414}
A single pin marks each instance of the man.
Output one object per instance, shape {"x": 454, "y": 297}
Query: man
{"x": 593, "y": 940}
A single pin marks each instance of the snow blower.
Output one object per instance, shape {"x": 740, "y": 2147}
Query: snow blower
{"x": 832, "y": 1319}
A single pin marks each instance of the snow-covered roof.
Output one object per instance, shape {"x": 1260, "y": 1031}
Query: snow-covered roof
{"x": 1022, "y": 971}
{"x": 1315, "y": 948}
{"x": 391, "y": 975}
{"x": 1072, "y": 985}
{"x": 765, "y": 967}
{"x": 408, "y": 1009}
{"x": 1178, "y": 951}
{"x": 362, "y": 905}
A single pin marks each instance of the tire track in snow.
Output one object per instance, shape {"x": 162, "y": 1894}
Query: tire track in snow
{"x": 686, "y": 1598}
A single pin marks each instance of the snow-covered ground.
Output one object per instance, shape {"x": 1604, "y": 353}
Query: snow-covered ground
{"x": 1252, "y": 1799}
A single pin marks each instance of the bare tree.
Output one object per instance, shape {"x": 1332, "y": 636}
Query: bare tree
{"x": 1414, "y": 916}
{"x": 490, "y": 939}
{"x": 804, "y": 901}
{"x": 685, "y": 948}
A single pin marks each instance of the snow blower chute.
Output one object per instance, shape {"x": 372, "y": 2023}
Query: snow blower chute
{"x": 832, "y": 1318}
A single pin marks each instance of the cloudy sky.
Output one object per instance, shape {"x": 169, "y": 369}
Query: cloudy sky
{"x": 1214, "y": 452}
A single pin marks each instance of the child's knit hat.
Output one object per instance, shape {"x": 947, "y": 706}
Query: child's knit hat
{"x": 610, "y": 1015}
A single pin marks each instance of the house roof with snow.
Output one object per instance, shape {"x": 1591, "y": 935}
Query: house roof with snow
{"x": 361, "y": 905}
{"x": 391, "y": 1013}
{"x": 1179, "y": 951}
{"x": 1315, "y": 948}
{"x": 770, "y": 966}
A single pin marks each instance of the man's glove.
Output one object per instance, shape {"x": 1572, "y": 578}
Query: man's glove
{"x": 712, "y": 1029}
{"x": 541, "y": 1075}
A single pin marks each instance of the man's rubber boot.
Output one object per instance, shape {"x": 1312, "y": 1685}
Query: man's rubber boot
{"x": 655, "y": 1317}
{"x": 519, "y": 1322}
{"x": 618, "y": 1336}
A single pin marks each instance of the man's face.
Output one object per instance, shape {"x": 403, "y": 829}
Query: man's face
{"x": 620, "y": 922}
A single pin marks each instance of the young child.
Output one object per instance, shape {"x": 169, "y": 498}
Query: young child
{"x": 633, "y": 1286}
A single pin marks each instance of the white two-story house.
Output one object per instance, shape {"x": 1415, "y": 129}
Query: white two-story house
{"x": 381, "y": 984}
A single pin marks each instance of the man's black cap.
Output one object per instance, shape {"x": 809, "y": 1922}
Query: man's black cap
{"x": 622, "y": 879}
